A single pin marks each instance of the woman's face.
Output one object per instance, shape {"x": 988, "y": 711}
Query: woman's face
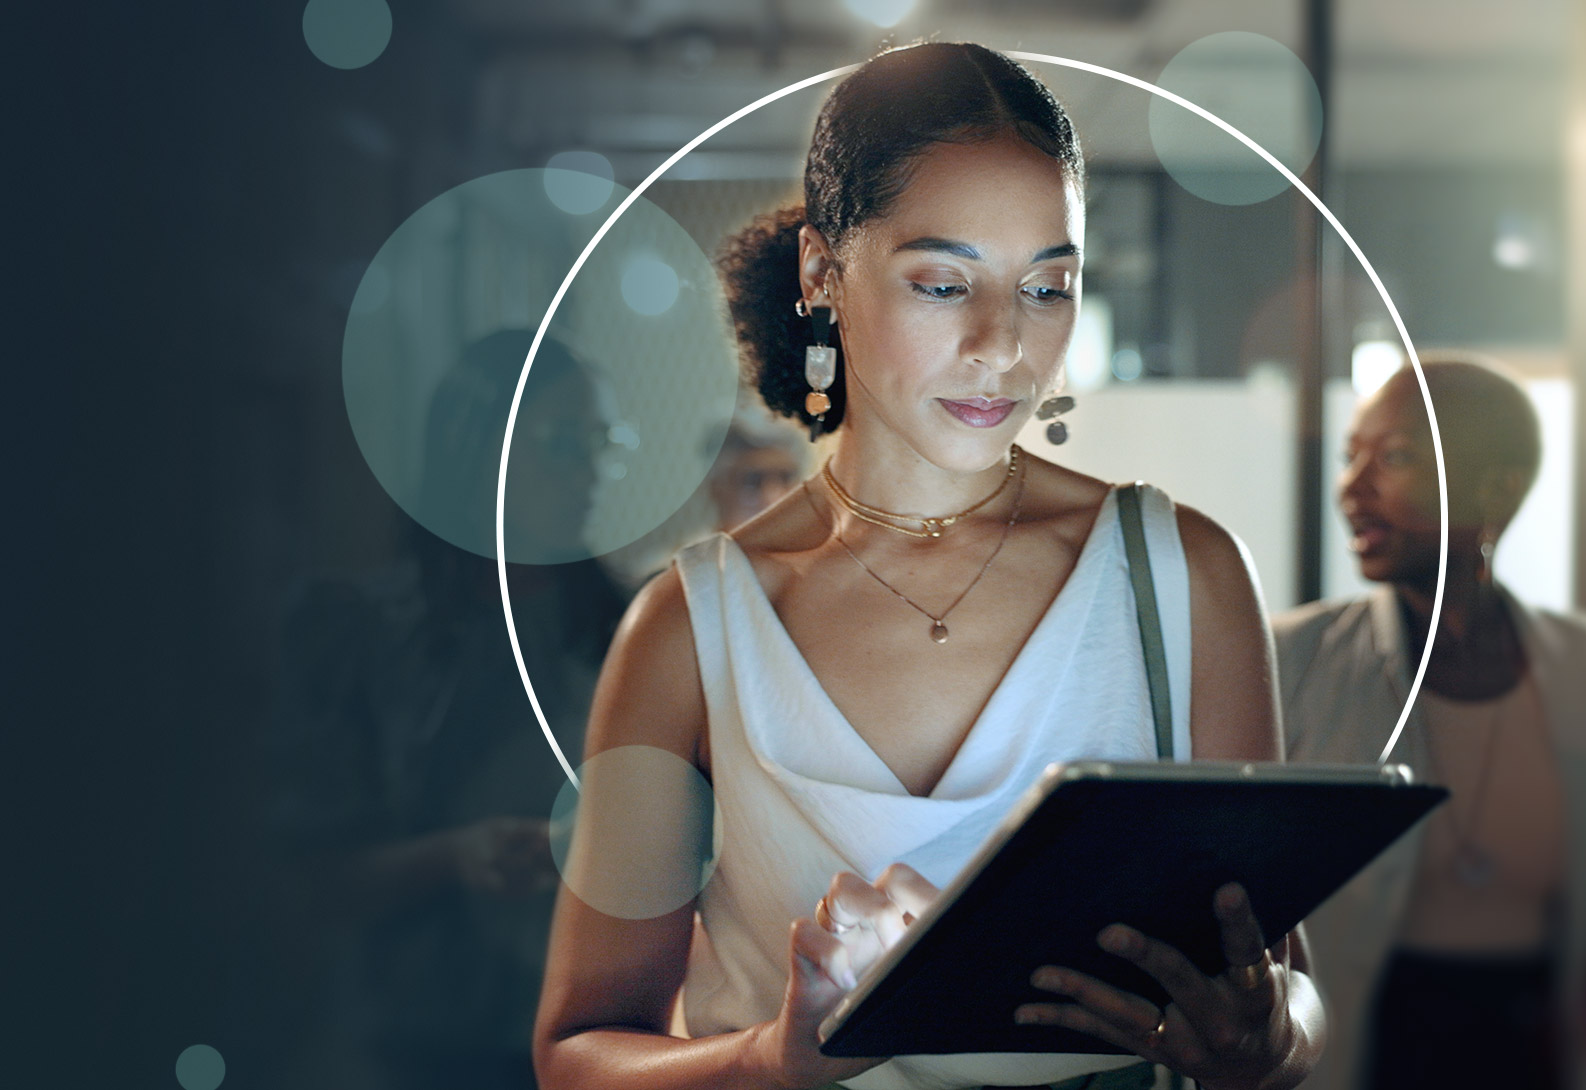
{"x": 1388, "y": 488}
{"x": 956, "y": 308}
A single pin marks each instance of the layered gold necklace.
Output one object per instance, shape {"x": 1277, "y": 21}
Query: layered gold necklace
{"x": 938, "y": 631}
{"x": 924, "y": 527}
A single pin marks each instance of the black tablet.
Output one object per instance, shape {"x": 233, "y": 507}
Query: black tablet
{"x": 1097, "y": 843}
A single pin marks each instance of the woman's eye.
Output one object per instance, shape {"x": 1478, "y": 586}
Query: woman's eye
{"x": 938, "y": 291}
{"x": 1397, "y": 457}
{"x": 1046, "y": 294}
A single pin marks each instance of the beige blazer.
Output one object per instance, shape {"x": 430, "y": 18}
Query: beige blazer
{"x": 1345, "y": 679}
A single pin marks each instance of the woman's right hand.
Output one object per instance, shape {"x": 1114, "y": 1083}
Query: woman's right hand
{"x": 819, "y": 975}
{"x": 854, "y": 924}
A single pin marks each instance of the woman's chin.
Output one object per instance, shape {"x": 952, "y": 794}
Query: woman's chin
{"x": 980, "y": 450}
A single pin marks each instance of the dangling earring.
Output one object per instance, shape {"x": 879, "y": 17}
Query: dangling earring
{"x": 820, "y": 365}
{"x": 1056, "y": 431}
{"x": 1487, "y": 544}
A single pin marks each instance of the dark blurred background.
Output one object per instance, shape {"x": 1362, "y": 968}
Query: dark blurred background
{"x": 198, "y": 195}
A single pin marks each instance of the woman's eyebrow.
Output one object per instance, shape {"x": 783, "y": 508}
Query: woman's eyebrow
{"x": 965, "y": 250}
{"x": 942, "y": 245}
{"x": 1067, "y": 249}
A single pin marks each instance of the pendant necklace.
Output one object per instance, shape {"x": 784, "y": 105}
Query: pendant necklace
{"x": 938, "y": 631}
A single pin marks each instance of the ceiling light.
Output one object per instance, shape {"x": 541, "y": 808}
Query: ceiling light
{"x": 883, "y": 13}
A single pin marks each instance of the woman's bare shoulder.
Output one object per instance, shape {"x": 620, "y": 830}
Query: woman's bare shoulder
{"x": 1060, "y": 499}
{"x": 658, "y": 613}
{"x": 1211, "y": 551}
{"x": 778, "y": 541}
{"x": 650, "y": 691}
{"x": 1233, "y": 688}
{"x": 1065, "y": 496}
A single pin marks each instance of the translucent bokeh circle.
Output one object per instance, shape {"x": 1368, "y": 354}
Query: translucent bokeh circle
{"x": 200, "y": 1067}
{"x": 642, "y": 835}
{"x": 347, "y": 33}
{"x": 623, "y": 410}
{"x": 1258, "y": 86}
{"x": 579, "y": 182}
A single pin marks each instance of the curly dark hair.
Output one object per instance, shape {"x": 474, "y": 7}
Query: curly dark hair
{"x": 871, "y": 132}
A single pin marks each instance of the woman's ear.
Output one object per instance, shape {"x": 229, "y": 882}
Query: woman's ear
{"x": 817, "y": 269}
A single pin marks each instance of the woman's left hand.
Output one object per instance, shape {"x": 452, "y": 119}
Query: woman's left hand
{"x": 1232, "y": 1031}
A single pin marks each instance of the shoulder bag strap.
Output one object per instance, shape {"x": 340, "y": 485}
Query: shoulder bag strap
{"x": 1146, "y": 613}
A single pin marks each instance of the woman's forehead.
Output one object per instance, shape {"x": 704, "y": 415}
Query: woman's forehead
{"x": 1001, "y": 191}
{"x": 1395, "y": 409}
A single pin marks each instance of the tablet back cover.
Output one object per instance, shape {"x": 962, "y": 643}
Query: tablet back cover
{"x": 1148, "y": 854}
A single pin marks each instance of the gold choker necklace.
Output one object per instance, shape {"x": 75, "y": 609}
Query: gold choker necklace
{"x": 938, "y": 632}
{"x": 927, "y": 527}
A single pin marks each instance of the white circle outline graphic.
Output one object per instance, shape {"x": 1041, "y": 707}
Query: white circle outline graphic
{"x": 1082, "y": 66}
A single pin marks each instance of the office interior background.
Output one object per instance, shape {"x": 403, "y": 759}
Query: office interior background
{"x": 224, "y": 192}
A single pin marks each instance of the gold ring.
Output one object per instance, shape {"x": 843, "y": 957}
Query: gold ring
{"x": 823, "y": 917}
{"x": 1152, "y": 1038}
{"x": 1249, "y": 977}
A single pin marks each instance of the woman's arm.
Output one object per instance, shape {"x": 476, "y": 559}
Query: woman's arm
{"x": 1259, "y": 1025}
{"x": 1233, "y": 680}
{"x": 610, "y": 983}
{"x": 1234, "y": 715}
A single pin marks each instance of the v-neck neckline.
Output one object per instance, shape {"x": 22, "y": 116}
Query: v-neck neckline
{"x": 1101, "y": 525}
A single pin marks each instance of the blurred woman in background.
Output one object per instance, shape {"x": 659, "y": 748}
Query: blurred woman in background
{"x": 416, "y": 782}
{"x": 1444, "y": 963}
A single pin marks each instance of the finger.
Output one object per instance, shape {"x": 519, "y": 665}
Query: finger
{"x": 907, "y": 888}
{"x": 810, "y": 992}
{"x": 1127, "y": 1011}
{"x": 1241, "y": 932}
{"x": 1187, "y": 985}
{"x": 1281, "y": 952}
{"x": 1076, "y": 1017}
{"x": 821, "y": 952}
{"x": 853, "y": 902}
{"x": 864, "y": 944}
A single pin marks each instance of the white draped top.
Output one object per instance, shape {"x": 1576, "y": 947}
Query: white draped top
{"x": 803, "y": 796}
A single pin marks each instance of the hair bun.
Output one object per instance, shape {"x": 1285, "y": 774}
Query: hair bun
{"x": 760, "y": 268}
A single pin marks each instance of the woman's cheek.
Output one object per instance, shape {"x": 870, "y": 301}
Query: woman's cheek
{"x": 1424, "y": 507}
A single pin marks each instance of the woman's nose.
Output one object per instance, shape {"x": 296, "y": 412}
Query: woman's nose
{"x": 994, "y": 342}
{"x": 1355, "y": 479}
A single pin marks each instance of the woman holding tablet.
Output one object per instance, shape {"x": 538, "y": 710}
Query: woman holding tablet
{"x": 871, "y": 672}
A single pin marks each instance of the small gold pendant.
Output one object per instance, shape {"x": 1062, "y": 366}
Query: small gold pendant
{"x": 939, "y": 632}
{"x": 816, "y": 403}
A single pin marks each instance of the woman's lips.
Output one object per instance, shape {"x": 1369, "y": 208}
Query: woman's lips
{"x": 979, "y": 412}
{"x": 1367, "y": 536}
